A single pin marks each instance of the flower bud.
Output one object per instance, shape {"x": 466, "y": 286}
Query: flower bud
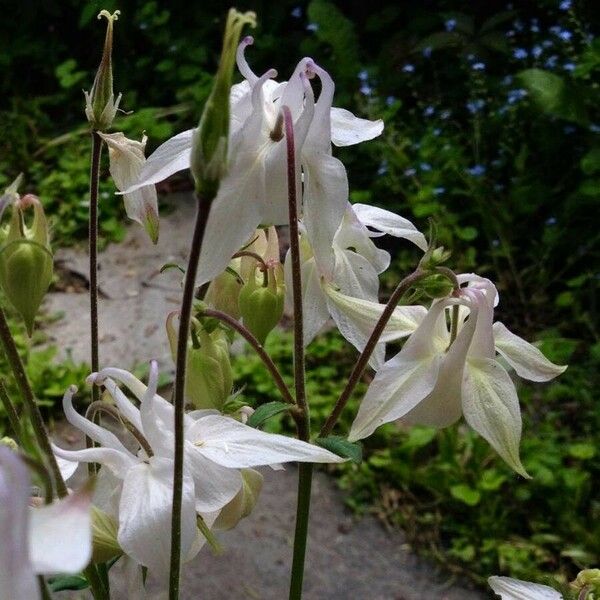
{"x": 587, "y": 582}
{"x": 209, "y": 379}
{"x": 210, "y": 142}
{"x": 244, "y": 501}
{"x": 26, "y": 263}
{"x": 9, "y": 443}
{"x": 100, "y": 104}
{"x": 436, "y": 286}
{"x": 223, "y": 291}
{"x": 261, "y": 306}
{"x": 104, "y": 536}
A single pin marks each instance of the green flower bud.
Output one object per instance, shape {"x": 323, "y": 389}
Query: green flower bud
{"x": 223, "y": 291}
{"x": 26, "y": 263}
{"x": 436, "y": 286}
{"x": 104, "y": 536}
{"x": 100, "y": 105}
{"x": 588, "y": 582}
{"x": 209, "y": 379}
{"x": 261, "y": 306}
{"x": 9, "y": 443}
{"x": 209, "y": 149}
{"x": 243, "y": 503}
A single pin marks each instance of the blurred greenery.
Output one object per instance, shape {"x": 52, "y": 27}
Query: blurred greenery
{"x": 492, "y": 128}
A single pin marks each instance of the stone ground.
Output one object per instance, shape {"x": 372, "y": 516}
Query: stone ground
{"x": 348, "y": 558}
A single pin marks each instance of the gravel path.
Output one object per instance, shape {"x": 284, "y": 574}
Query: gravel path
{"x": 348, "y": 559}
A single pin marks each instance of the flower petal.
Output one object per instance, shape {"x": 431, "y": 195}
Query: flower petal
{"x": 515, "y": 589}
{"x": 118, "y": 462}
{"x": 67, "y": 468}
{"x": 145, "y": 515}
{"x": 348, "y": 129}
{"x": 172, "y": 156}
{"x": 390, "y": 223}
{"x": 60, "y": 536}
{"x": 527, "y": 360}
{"x": 491, "y": 408}
{"x": 232, "y": 444}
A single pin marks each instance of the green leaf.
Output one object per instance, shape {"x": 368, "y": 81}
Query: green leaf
{"x": 442, "y": 39}
{"x": 491, "y": 480}
{"x": 419, "y": 437}
{"x": 465, "y": 494}
{"x": 342, "y": 447}
{"x": 582, "y": 450}
{"x": 68, "y": 582}
{"x": 265, "y": 411}
{"x": 590, "y": 163}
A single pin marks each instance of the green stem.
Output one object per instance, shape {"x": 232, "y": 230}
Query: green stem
{"x": 44, "y": 591}
{"x": 363, "y": 359}
{"x": 11, "y": 412}
{"x": 303, "y": 416}
{"x": 267, "y": 360}
{"x": 39, "y": 428}
{"x": 178, "y": 393}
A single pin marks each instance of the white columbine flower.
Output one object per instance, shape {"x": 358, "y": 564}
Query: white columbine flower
{"x": 51, "y": 539}
{"x": 126, "y": 162}
{"x": 349, "y": 291}
{"x": 216, "y": 448}
{"x": 515, "y": 589}
{"x": 432, "y": 381}
{"x": 254, "y": 192}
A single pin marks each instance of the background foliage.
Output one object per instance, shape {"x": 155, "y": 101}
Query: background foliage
{"x": 492, "y": 128}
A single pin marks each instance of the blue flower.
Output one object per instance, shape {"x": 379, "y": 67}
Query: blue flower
{"x": 436, "y": 131}
{"x": 408, "y": 68}
{"x": 312, "y": 27}
{"x": 476, "y": 170}
{"x": 516, "y": 95}
{"x": 363, "y": 75}
{"x": 551, "y": 62}
{"x": 474, "y": 106}
{"x": 570, "y": 67}
{"x": 594, "y": 128}
{"x": 450, "y": 24}
{"x": 390, "y": 100}
{"x": 520, "y": 53}
{"x": 428, "y": 111}
{"x": 445, "y": 114}
{"x": 507, "y": 80}
{"x": 551, "y": 221}
{"x": 383, "y": 168}
{"x": 439, "y": 190}
{"x": 425, "y": 166}
{"x": 366, "y": 89}
{"x": 297, "y": 12}
{"x": 409, "y": 172}
{"x": 547, "y": 43}
{"x": 427, "y": 51}
{"x": 478, "y": 66}
{"x": 518, "y": 25}
{"x": 565, "y": 35}
{"x": 565, "y": 5}
{"x": 536, "y": 51}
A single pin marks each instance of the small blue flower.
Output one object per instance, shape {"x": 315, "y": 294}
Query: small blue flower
{"x": 565, "y": 5}
{"x": 551, "y": 62}
{"x": 565, "y": 35}
{"x": 425, "y": 166}
{"x": 312, "y": 27}
{"x": 520, "y": 53}
{"x": 439, "y": 190}
{"x": 450, "y": 24}
{"x": 408, "y": 68}
{"x": 474, "y": 106}
{"x": 430, "y": 110}
{"x": 555, "y": 29}
{"x": 594, "y": 128}
{"x": 445, "y": 114}
{"x": 536, "y": 51}
{"x": 366, "y": 89}
{"x": 476, "y": 170}
{"x": 510, "y": 33}
{"x": 516, "y": 95}
{"x": 507, "y": 80}
{"x": 383, "y": 168}
{"x": 570, "y": 67}
{"x": 297, "y": 12}
{"x": 436, "y": 131}
{"x": 427, "y": 51}
{"x": 471, "y": 57}
{"x": 390, "y": 100}
{"x": 518, "y": 25}
{"x": 363, "y": 75}
{"x": 534, "y": 26}
{"x": 409, "y": 172}
{"x": 547, "y": 43}
{"x": 478, "y": 66}
{"x": 551, "y": 221}
{"x": 495, "y": 243}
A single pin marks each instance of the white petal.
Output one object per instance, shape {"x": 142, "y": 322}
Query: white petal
{"x": 141, "y": 206}
{"x": 17, "y": 578}
{"x": 168, "y": 158}
{"x": 232, "y": 444}
{"x": 491, "y": 408}
{"x": 390, "y": 223}
{"x": 215, "y": 485}
{"x": 67, "y": 467}
{"x": 145, "y": 515}
{"x": 515, "y": 589}
{"x": 118, "y": 462}
{"x": 60, "y": 537}
{"x": 347, "y": 129}
{"x": 527, "y": 360}
{"x": 124, "y": 404}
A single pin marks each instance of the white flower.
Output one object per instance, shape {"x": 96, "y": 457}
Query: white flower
{"x": 254, "y": 192}
{"x": 139, "y": 486}
{"x": 515, "y": 589}
{"x": 51, "y": 539}
{"x": 126, "y": 162}
{"x": 433, "y": 382}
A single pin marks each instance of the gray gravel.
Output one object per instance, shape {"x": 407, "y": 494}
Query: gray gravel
{"x": 347, "y": 558}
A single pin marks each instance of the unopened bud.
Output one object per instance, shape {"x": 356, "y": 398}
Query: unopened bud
{"x": 587, "y": 583}
{"x": 209, "y": 379}
{"x": 210, "y": 142}
{"x": 100, "y": 104}
{"x": 104, "y": 536}
{"x": 9, "y": 443}
{"x": 223, "y": 292}
{"x": 26, "y": 262}
{"x": 261, "y": 306}
{"x": 244, "y": 501}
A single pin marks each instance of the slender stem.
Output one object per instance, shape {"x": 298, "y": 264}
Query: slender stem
{"x": 178, "y": 393}
{"x": 11, "y": 411}
{"x": 363, "y": 359}
{"x": 305, "y": 471}
{"x": 303, "y": 418}
{"x": 257, "y": 257}
{"x": 454, "y": 324}
{"x": 41, "y": 434}
{"x": 43, "y": 474}
{"x": 44, "y": 590}
{"x": 267, "y": 360}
